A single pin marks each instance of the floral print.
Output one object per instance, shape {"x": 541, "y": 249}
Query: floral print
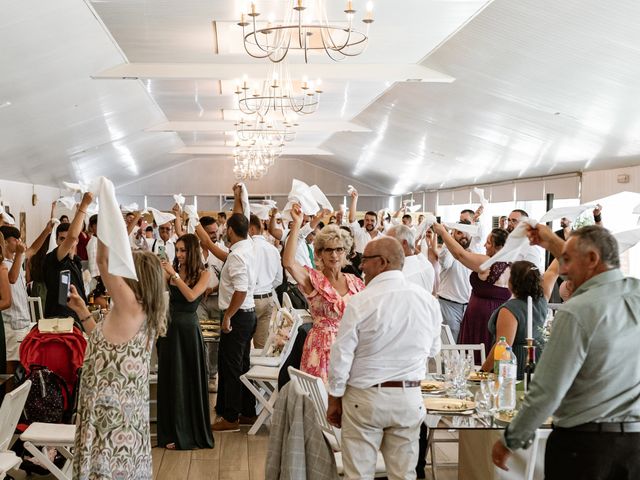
{"x": 326, "y": 307}
{"x": 112, "y": 434}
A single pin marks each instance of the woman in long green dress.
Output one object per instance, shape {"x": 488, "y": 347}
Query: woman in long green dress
{"x": 183, "y": 395}
{"x": 112, "y": 433}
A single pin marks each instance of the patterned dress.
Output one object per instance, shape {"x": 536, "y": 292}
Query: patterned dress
{"x": 326, "y": 307}
{"x": 112, "y": 433}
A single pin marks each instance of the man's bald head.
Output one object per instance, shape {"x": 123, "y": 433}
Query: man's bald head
{"x": 381, "y": 255}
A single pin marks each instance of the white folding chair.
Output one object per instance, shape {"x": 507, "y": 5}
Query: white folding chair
{"x": 465, "y": 350}
{"x": 286, "y": 302}
{"x": 446, "y": 337}
{"x": 10, "y": 412}
{"x": 541, "y": 434}
{"x": 262, "y": 381}
{"x": 265, "y": 356}
{"x": 315, "y": 389}
{"x": 35, "y": 309}
{"x": 276, "y": 302}
{"x": 51, "y": 435}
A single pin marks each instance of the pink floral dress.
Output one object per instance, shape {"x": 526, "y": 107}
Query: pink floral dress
{"x": 326, "y": 307}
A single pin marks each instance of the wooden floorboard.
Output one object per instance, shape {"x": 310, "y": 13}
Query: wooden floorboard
{"x": 175, "y": 464}
{"x": 204, "y": 469}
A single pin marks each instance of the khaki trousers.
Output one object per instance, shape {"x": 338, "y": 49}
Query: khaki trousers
{"x": 264, "y": 310}
{"x": 384, "y": 419}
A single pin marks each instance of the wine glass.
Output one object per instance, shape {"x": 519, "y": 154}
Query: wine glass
{"x": 495, "y": 382}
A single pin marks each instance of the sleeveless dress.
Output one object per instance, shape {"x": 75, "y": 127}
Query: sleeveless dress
{"x": 112, "y": 432}
{"x": 183, "y": 390}
{"x": 326, "y": 307}
{"x": 519, "y": 310}
{"x": 485, "y": 298}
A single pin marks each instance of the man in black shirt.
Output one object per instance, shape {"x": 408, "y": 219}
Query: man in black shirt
{"x": 64, "y": 257}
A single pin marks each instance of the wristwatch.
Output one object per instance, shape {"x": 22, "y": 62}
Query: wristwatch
{"x": 176, "y": 276}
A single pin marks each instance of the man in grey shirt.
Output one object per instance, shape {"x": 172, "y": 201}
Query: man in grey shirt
{"x": 589, "y": 374}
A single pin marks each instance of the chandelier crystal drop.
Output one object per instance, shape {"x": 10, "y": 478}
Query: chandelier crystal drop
{"x": 305, "y": 28}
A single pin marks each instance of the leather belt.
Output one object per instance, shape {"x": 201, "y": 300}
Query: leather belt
{"x": 451, "y": 301}
{"x": 246, "y": 310}
{"x": 605, "y": 427}
{"x": 260, "y": 296}
{"x": 399, "y": 384}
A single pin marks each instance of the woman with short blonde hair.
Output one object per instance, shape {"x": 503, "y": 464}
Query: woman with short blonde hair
{"x": 327, "y": 289}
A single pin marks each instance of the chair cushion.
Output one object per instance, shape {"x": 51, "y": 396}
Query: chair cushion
{"x": 266, "y": 361}
{"x": 260, "y": 372}
{"x": 51, "y": 434}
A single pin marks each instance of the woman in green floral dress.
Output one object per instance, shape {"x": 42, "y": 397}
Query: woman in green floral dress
{"x": 112, "y": 435}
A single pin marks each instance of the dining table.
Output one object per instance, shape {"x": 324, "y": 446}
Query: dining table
{"x": 477, "y": 432}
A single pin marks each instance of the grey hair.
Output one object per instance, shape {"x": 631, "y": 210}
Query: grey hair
{"x": 402, "y": 232}
{"x": 600, "y": 240}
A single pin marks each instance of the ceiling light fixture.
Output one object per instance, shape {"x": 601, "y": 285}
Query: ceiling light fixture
{"x": 305, "y": 28}
{"x": 278, "y": 95}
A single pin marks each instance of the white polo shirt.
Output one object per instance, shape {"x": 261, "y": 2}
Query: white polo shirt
{"x": 238, "y": 275}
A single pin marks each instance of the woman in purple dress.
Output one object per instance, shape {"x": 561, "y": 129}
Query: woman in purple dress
{"x": 489, "y": 289}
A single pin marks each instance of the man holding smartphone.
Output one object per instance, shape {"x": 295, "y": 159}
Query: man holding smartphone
{"x": 63, "y": 258}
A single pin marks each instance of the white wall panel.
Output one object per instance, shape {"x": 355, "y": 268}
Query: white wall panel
{"x": 602, "y": 183}
{"x": 445, "y": 197}
{"x": 502, "y": 193}
{"x": 526, "y": 191}
{"x": 462, "y": 197}
{"x": 568, "y": 187}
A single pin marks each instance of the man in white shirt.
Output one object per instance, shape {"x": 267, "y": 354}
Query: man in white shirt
{"x": 268, "y": 276}
{"x": 478, "y": 240}
{"x": 530, "y": 253}
{"x": 16, "y": 318}
{"x": 454, "y": 288}
{"x": 417, "y": 268}
{"x": 377, "y": 361}
{"x": 92, "y": 249}
{"x": 235, "y": 298}
{"x": 368, "y": 231}
{"x": 166, "y": 241}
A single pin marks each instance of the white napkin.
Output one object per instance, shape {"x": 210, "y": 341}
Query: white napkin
{"x": 112, "y": 230}
{"x": 350, "y": 189}
{"x": 261, "y": 211}
{"x": 7, "y": 218}
{"x": 414, "y": 208}
{"x": 429, "y": 220}
{"x": 195, "y": 202}
{"x": 146, "y": 207}
{"x": 636, "y": 209}
{"x": 463, "y": 227}
{"x": 179, "y": 199}
{"x": 300, "y": 193}
{"x": 75, "y": 187}
{"x": 320, "y": 197}
{"x": 54, "y": 235}
{"x": 627, "y": 239}
{"x": 516, "y": 242}
{"x": 132, "y": 207}
{"x": 160, "y": 217}
{"x": 68, "y": 202}
{"x": 480, "y": 193}
{"x": 193, "y": 218}
{"x": 93, "y": 208}
{"x": 569, "y": 212}
{"x": 244, "y": 198}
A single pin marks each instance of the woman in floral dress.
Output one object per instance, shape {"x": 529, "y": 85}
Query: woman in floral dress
{"x": 112, "y": 434}
{"x": 326, "y": 289}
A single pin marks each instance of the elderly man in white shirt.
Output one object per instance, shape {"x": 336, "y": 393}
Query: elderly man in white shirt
{"x": 454, "y": 288}
{"x": 268, "y": 277}
{"x": 417, "y": 268}
{"x": 166, "y": 242}
{"x": 234, "y": 403}
{"x": 377, "y": 361}
{"x": 366, "y": 233}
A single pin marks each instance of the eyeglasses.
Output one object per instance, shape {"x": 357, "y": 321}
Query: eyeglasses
{"x": 338, "y": 250}
{"x": 367, "y": 257}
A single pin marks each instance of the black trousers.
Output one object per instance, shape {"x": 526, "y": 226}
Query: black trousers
{"x": 233, "y": 360}
{"x": 592, "y": 455}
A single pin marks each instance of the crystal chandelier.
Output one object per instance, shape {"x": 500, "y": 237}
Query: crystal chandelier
{"x": 264, "y": 131}
{"x": 305, "y": 28}
{"x": 252, "y": 162}
{"x": 277, "y": 95}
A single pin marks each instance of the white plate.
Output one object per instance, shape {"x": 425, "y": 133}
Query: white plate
{"x": 454, "y": 405}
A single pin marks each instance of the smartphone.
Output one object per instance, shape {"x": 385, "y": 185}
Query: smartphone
{"x": 63, "y": 290}
{"x": 162, "y": 253}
